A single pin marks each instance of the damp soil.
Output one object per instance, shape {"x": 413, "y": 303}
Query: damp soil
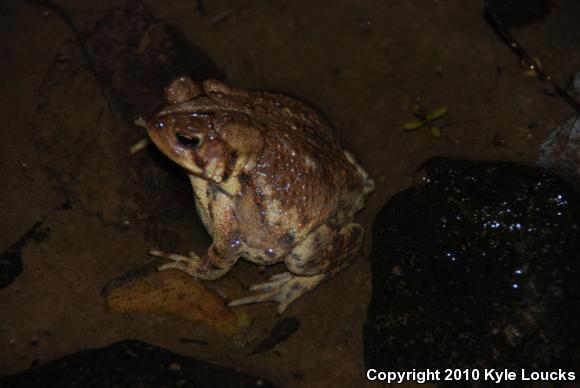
{"x": 65, "y": 157}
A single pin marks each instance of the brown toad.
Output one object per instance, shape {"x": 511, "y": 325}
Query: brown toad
{"x": 270, "y": 181}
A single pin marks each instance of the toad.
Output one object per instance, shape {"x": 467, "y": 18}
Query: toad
{"x": 271, "y": 184}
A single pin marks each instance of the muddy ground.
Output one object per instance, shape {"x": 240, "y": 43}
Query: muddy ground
{"x": 365, "y": 64}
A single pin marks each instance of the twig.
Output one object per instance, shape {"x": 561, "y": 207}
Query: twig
{"x": 528, "y": 64}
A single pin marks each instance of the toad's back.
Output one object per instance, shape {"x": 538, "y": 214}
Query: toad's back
{"x": 302, "y": 177}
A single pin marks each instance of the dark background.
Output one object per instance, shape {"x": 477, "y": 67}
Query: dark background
{"x": 365, "y": 64}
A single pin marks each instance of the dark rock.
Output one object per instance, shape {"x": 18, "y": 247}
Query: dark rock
{"x": 136, "y": 56}
{"x": 96, "y": 86}
{"x": 518, "y": 13}
{"x": 11, "y": 259}
{"x": 477, "y": 267}
{"x": 284, "y": 328}
{"x": 130, "y": 363}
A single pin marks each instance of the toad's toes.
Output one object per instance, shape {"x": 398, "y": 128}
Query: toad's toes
{"x": 283, "y": 288}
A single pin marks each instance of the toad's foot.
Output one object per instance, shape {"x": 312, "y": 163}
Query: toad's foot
{"x": 283, "y": 288}
{"x": 211, "y": 266}
{"x": 190, "y": 264}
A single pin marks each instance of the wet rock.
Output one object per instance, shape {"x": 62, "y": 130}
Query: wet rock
{"x": 560, "y": 152}
{"x": 175, "y": 293}
{"x": 476, "y": 267}
{"x": 130, "y": 363}
{"x": 11, "y": 259}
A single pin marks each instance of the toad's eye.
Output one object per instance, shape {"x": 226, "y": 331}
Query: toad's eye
{"x": 159, "y": 124}
{"x": 190, "y": 141}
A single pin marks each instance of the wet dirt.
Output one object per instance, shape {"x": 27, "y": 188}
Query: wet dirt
{"x": 365, "y": 64}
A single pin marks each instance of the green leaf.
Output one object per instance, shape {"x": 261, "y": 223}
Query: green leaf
{"x": 437, "y": 113}
{"x": 413, "y": 124}
{"x": 436, "y": 131}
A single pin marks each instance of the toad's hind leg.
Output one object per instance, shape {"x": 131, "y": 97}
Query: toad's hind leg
{"x": 318, "y": 258}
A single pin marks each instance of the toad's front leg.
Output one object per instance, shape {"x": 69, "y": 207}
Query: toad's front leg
{"x": 211, "y": 266}
{"x": 322, "y": 255}
{"x": 221, "y": 222}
